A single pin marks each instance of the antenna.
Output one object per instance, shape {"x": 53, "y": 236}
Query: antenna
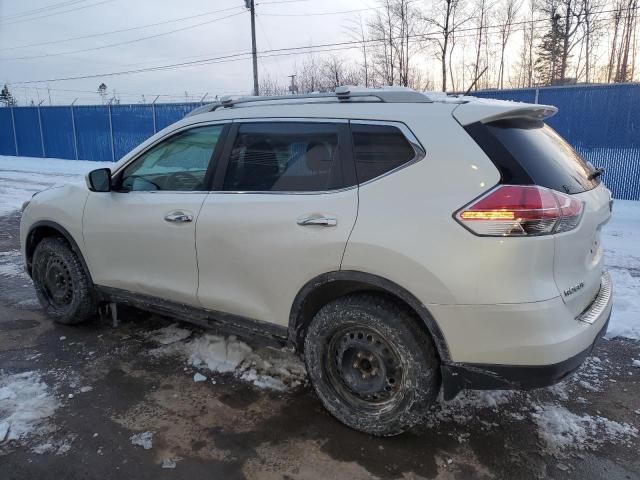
{"x": 475, "y": 81}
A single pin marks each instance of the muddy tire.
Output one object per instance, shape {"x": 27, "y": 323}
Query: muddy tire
{"x": 61, "y": 284}
{"x": 371, "y": 364}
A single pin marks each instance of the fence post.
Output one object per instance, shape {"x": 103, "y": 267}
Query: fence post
{"x": 113, "y": 152}
{"x": 153, "y": 112}
{"x": 41, "y": 134}
{"x": 73, "y": 127}
{"x": 537, "y": 95}
{"x": 15, "y": 137}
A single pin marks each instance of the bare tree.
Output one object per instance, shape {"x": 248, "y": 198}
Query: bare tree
{"x": 509, "y": 11}
{"x": 629, "y": 25}
{"x": 358, "y": 33}
{"x": 309, "y": 78}
{"x": 591, "y": 28}
{"x": 270, "y": 86}
{"x": 446, "y": 18}
{"x": 482, "y": 11}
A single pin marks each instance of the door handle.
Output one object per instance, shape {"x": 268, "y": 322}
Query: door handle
{"x": 178, "y": 217}
{"x": 322, "y": 220}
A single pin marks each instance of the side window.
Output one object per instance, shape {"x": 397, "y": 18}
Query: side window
{"x": 285, "y": 157}
{"x": 176, "y": 164}
{"x": 379, "y": 149}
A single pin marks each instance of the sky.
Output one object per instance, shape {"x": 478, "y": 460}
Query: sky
{"x": 227, "y": 31}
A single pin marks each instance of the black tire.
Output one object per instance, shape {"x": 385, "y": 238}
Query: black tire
{"x": 62, "y": 286}
{"x": 371, "y": 364}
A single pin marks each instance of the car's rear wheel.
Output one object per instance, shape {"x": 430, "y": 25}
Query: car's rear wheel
{"x": 371, "y": 364}
{"x": 62, "y": 286}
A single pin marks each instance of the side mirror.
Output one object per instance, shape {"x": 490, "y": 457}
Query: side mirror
{"x": 99, "y": 180}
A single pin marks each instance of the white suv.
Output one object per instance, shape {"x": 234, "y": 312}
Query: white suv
{"x": 400, "y": 241}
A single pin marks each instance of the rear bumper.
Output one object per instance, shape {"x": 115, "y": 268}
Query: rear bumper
{"x": 521, "y": 346}
{"x": 457, "y": 377}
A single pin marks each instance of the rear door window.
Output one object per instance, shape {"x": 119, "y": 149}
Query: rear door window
{"x": 286, "y": 157}
{"x": 544, "y": 155}
{"x": 378, "y": 149}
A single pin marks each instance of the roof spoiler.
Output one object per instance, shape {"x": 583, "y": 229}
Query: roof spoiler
{"x": 486, "y": 111}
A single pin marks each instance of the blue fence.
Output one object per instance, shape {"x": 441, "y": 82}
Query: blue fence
{"x": 602, "y": 123}
{"x": 95, "y": 132}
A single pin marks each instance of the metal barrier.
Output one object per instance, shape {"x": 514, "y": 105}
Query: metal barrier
{"x": 602, "y": 122}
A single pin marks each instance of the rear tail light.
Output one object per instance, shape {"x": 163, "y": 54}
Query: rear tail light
{"x": 521, "y": 210}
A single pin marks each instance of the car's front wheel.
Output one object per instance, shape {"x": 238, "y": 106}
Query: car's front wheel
{"x": 371, "y": 364}
{"x": 62, "y": 286}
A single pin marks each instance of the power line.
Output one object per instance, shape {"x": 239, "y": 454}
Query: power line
{"x": 42, "y": 9}
{"x": 55, "y": 13}
{"x": 93, "y": 35}
{"x": 128, "y": 42}
{"x": 316, "y": 13}
{"x": 281, "y": 52}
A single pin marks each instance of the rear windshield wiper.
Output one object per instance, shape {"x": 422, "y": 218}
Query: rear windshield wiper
{"x": 596, "y": 173}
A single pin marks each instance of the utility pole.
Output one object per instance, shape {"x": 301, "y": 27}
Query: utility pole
{"x": 251, "y": 5}
{"x": 293, "y": 88}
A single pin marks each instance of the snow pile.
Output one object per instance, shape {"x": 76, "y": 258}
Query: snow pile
{"x": 264, "y": 367}
{"x": 21, "y": 177}
{"x": 218, "y": 354}
{"x": 268, "y": 368}
{"x": 25, "y": 405}
{"x": 144, "y": 440}
{"x": 559, "y": 429}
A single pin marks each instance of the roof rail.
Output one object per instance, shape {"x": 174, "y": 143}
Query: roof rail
{"x": 344, "y": 93}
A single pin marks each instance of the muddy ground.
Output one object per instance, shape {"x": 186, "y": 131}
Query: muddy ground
{"x": 232, "y": 429}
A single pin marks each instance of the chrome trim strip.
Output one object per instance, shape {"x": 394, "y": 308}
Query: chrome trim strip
{"x": 600, "y": 303}
{"x": 289, "y": 119}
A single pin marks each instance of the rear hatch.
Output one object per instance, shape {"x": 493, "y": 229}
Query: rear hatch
{"x": 527, "y": 151}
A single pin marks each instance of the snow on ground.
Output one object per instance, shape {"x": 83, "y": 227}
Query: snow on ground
{"x": 621, "y": 240}
{"x": 144, "y": 440}
{"x": 168, "y": 335}
{"x": 559, "y": 429}
{"x": 11, "y": 264}
{"x": 264, "y": 367}
{"x": 21, "y": 177}
{"x": 26, "y": 403}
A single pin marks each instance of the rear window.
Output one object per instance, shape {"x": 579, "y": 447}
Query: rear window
{"x": 547, "y": 159}
{"x": 378, "y": 149}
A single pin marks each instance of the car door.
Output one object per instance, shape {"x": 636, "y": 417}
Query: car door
{"x": 140, "y": 237}
{"x": 286, "y": 203}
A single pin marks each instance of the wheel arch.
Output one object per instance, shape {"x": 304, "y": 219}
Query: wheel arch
{"x": 332, "y": 285}
{"x": 46, "y": 228}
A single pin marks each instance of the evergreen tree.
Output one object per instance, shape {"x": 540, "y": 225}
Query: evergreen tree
{"x": 549, "y": 61}
{"x": 6, "y": 98}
